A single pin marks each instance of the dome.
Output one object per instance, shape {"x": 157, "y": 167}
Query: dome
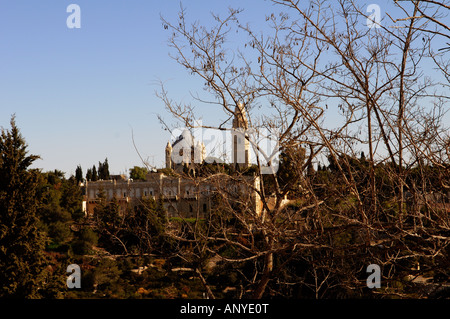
{"x": 186, "y": 138}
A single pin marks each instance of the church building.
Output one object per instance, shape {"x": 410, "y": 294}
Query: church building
{"x": 184, "y": 196}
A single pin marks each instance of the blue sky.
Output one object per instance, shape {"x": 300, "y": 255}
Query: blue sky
{"x": 78, "y": 93}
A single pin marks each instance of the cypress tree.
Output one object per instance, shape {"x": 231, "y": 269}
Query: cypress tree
{"x": 94, "y": 174}
{"x": 100, "y": 170}
{"x": 22, "y": 244}
{"x": 89, "y": 174}
{"x": 105, "y": 169}
{"x": 79, "y": 174}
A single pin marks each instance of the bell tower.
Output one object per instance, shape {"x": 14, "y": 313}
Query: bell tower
{"x": 169, "y": 155}
{"x": 241, "y": 145}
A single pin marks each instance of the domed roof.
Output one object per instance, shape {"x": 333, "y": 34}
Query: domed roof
{"x": 186, "y": 137}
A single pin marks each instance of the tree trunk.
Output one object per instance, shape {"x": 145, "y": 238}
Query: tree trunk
{"x": 268, "y": 267}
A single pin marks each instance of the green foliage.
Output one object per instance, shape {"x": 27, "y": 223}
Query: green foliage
{"x": 103, "y": 170}
{"x": 59, "y": 231}
{"x": 138, "y": 228}
{"x": 83, "y": 244}
{"x": 79, "y": 174}
{"x": 94, "y": 174}
{"x": 59, "y": 202}
{"x": 89, "y": 174}
{"x": 71, "y": 197}
{"x": 290, "y": 170}
{"x": 119, "y": 278}
{"x": 21, "y": 241}
{"x": 138, "y": 173}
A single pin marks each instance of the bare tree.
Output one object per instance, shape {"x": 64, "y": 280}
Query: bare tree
{"x": 319, "y": 60}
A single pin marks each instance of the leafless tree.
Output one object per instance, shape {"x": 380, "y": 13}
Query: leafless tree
{"x": 333, "y": 86}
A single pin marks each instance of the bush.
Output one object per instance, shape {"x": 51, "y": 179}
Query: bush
{"x": 59, "y": 232}
{"x": 83, "y": 244}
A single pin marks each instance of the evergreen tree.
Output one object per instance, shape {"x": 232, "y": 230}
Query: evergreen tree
{"x": 138, "y": 173}
{"x": 100, "y": 169}
{"x": 292, "y": 160}
{"x": 148, "y": 225}
{"x": 79, "y": 174}
{"x": 103, "y": 170}
{"x": 89, "y": 175}
{"x": 106, "y": 168}
{"x": 94, "y": 174}
{"x": 21, "y": 242}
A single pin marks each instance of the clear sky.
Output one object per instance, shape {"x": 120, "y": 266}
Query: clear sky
{"x": 78, "y": 93}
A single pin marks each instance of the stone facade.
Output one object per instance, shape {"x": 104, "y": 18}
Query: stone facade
{"x": 182, "y": 197}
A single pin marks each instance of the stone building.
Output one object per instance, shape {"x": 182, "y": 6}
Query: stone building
{"x": 184, "y": 196}
{"x": 184, "y": 152}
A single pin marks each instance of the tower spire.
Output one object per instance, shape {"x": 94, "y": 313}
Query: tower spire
{"x": 168, "y": 155}
{"x": 240, "y": 117}
{"x": 241, "y": 145}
